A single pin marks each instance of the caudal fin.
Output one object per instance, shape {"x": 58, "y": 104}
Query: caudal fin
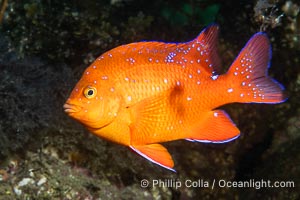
{"x": 249, "y": 77}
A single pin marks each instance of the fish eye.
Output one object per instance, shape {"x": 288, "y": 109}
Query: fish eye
{"x": 90, "y": 92}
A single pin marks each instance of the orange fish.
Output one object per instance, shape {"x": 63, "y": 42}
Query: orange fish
{"x": 145, "y": 93}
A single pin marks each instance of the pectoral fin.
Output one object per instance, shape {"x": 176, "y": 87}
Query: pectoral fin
{"x": 156, "y": 153}
{"x": 215, "y": 127}
{"x": 152, "y": 116}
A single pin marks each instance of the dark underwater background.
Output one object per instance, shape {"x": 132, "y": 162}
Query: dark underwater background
{"x": 46, "y": 45}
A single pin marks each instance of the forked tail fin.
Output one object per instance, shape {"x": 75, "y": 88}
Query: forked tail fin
{"x": 248, "y": 74}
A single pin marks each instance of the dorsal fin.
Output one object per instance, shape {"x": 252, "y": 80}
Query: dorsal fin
{"x": 200, "y": 51}
{"x": 206, "y": 49}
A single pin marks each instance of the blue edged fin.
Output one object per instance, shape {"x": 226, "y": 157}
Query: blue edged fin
{"x": 155, "y": 153}
{"x": 249, "y": 74}
{"x": 215, "y": 127}
{"x": 206, "y": 49}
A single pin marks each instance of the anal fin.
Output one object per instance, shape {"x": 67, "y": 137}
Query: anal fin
{"x": 155, "y": 153}
{"x": 215, "y": 127}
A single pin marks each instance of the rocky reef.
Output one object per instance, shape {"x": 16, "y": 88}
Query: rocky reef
{"x": 46, "y": 45}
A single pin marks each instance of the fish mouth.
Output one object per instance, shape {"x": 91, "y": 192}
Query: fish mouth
{"x": 71, "y": 108}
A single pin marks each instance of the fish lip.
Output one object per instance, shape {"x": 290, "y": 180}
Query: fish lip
{"x": 71, "y": 108}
